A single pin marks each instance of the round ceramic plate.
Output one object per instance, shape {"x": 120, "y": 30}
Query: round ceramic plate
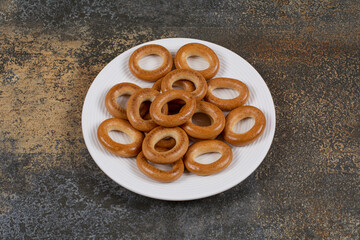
{"x": 189, "y": 186}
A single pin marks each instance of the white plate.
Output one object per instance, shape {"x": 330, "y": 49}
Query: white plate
{"x": 189, "y": 186}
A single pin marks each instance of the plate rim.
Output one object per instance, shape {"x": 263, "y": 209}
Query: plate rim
{"x": 200, "y": 196}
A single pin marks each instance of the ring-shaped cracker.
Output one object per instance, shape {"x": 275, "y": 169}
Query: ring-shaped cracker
{"x": 208, "y": 146}
{"x": 197, "y": 49}
{"x": 217, "y": 120}
{"x": 116, "y": 91}
{"x": 173, "y": 154}
{"x": 227, "y": 104}
{"x": 236, "y": 115}
{"x": 133, "y": 109}
{"x": 150, "y": 75}
{"x": 196, "y": 78}
{"x": 157, "y": 174}
{"x": 180, "y": 118}
{"x": 123, "y": 150}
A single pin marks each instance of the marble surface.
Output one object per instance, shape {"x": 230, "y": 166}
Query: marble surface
{"x": 307, "y": 52}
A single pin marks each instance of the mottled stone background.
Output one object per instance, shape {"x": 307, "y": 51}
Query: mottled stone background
{"x": 306, "y": 51}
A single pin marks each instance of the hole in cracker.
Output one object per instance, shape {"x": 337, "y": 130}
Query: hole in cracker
{"x": 122, "y": 100}
{"x": 201, "y": 119}
{"x": 120, "y": 137}
{"x": 144, "y": 110}
{"x": 197, "y": 63}
{"x": 164, "y": 167}
{"x": 208, "y": 158}
{"x": 150, "y": 62}
{"x": 180, "y": 85}
{"x": 165, "y": 144}
{"x": 175, "y": 106}
{"x": 244, "y": 125}
{"x": 225, "y": 93}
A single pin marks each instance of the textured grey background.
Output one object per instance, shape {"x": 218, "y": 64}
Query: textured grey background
{"x": 306, "y": 51}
